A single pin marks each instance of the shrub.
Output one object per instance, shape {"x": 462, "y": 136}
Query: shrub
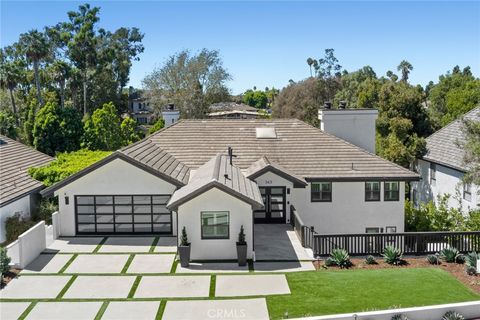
{"x": 452, "y": 315}
{"x": 184, "y": 238}
{"x": 461, "y": 259}
{"x": 241, "y": 236}
{"x": 392, "y": 255}
{"x": 370, "y": 260}
{"x": 341, "y": 258}
{"x": 433, "y": 259}
{"x": 450, "y": 254}
{"x": 16, "y": 225}
{"x": 4, "y": 261}
{"x": 471, "y": 271}
{"x": 329, "y": 262}
{"x": 471, "y": 259}
{"x": 400, "y": 317}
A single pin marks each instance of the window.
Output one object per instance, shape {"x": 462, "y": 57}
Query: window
{"x": 467, "y": 192}
{"x": 321, "y": 192}
{"x": 433, "y": 174}
{"x": 391, "y": 229}
{"x": 215, "y": 225}
{"x": 372, "y": 191}
{"x": 391, "y": 192}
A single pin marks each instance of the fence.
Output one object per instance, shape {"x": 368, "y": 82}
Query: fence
{"x": 28, "y": 245}
{"x": 304, "y": 233}
{"x": 411, "y": 243}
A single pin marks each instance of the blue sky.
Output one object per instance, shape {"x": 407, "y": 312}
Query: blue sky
{"x": 267, "y": 43}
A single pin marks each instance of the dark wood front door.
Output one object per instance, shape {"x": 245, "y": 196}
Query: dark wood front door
{"x": 275, "y": 203}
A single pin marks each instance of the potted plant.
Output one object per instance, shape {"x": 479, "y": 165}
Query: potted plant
{"x": 242, "y": 248}
{"x": 184, "y": 249}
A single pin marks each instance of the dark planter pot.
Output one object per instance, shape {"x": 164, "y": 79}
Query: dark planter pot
{"x": 184, "y": 252}
{"x": 242, "y": 254}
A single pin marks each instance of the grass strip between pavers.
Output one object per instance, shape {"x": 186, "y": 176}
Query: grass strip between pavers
{"x": 134, "y": 287}
{"x": 67, "y": 286}
{"x": 129, "y": 262}
{"x": 100, "y": 244}
{"x": 27, "y": 311}
{"x": 154, "y": 244}
{"x": 174, "y": 266}
{"x": 69, "y": 262}
{"x": 101, "y": 311}
{"x": 161, "y": 309}
{"x": 213, "y": 282}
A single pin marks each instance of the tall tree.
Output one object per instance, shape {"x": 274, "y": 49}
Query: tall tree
{"x": 310, "y": 64}
{"x": 36, "y": 47}
{"x": 102, "y": 130}
{"x": 10, "y": 76}
{"x": 187, "y": 80}
{"x": 328, "y": 71}
{"x": 471, "y": 145}
{"x": 60, "y": 72}
{"x": 405, "y": 67}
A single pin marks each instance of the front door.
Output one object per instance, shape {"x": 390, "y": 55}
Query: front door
{"x": 275, "y": 203}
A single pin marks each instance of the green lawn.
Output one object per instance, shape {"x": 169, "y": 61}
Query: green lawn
{"x": 329, "y": 292}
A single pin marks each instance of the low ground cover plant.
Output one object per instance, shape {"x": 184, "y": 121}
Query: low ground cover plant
{"x": 451, "y": 255}
{"x": 340, "y": 258}
{"x": 433, "y": 259}
{"x": 452, "y": 315}
{"x": 370, "y": 260}
{"x": 392, "y": 255}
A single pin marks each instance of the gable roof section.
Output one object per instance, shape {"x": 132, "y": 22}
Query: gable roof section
{"x": 218, "y": 173}
{"x": 442, "y": 146}
{"x": 299, "y": 148}
{"x": 264, "y": 165}
{"x": 135, "y": 158}
{"x": 15, "y": 159}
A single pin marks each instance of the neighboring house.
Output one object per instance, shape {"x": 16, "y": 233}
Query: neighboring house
{"x": 170, "y": 114}
{"x": 233, "y": 110}
{"x": 213, "y": 176}
{"x": 141, "y": 110}
{"x": 19, "y": 193}
{"x": 442, "y": 168}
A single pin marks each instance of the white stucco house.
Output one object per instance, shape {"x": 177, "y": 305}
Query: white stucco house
{"x": 214, "y": 176}
{"x": 19, "y": 193}
{"x": 442, "y": 169}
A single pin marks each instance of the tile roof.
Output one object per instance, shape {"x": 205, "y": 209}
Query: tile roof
{"x": 442, "y": 146}
{"x": 265, "y": 165}
{"x": 15, "y": 159}
{"x": 301, "y": 149}
{"x": 231, "y": 106}
{"x": 218, "y": 173}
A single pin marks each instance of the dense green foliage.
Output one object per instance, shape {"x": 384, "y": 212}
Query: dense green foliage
{"x": 157, "y": 126}
{"x": 4, "y": 262}
{"x": 16, "y": 225}
{"x": 471, "y": 145}
{"x": 255, "y": 98}
{"x": 65, "y": 165}
{"x": 7, "y": 124}
{"x": 330, "y": 292}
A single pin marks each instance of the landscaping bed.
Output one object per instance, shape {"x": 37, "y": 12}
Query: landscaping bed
{"x": 9, "y": 276}
{"x": 360, "y": 289}
{"x": 455, "y": 269}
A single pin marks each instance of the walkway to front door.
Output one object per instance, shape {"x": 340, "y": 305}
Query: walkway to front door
{"x": 275, "y": 206}
{"x": 278, "y": 242}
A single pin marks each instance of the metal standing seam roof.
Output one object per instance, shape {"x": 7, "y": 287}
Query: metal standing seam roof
{"x": 442, "y": 146}
{"x": 15, "y": 160}
{"x": 218, "y": 173}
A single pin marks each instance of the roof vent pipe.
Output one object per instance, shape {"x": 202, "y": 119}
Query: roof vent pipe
{"x": 327, "y": 105}
{"x": 342, "y": 105}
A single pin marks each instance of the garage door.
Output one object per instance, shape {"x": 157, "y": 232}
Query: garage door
{"x": 122, "y": 214}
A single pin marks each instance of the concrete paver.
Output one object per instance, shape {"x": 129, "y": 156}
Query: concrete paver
{"x": 212, "y": 267}
{"x": 251, "y": 285}
{"x": 151, "y": 263}
{"x": 85, "y": 287}
{"x": 64, "y": 310}
{"x": 286, "y": 266}
{"x": 34, "y": 287}
{"x": 12, "y": 310}
{"x": 252, "y": 309}
{"x": 166, "y": 244}
{"x": 127, "y": 244}
{"x": 47, "y": 263}
{"x": 173, "y": 287}
{"x": 74, "y": 244}
{"x": 98, "y": 263}
{"x": 128, "y": 310}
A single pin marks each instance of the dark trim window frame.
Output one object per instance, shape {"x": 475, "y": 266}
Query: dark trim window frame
{"x": 390, "y": 229}
{"x": 433, "y": 173}
{"x": 391, "y": 191}
{"x": 467, "y": 192}
{"x": 321, "y": 192}
{"x": 372, "y": 191}
{"x": 215, "y": 226}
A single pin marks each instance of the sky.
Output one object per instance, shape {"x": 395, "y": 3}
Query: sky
{"x": 266, "y": 43}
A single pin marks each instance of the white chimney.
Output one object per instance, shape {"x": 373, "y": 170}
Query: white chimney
{"x": 356, "y": 126}
{"x": 170, "y": 114}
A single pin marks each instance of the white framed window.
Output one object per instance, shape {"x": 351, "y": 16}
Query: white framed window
{"x": 467, "y": 191}
{"x": 321, "y": 192}
{"x": 215, "y": 224}
{"x": 391, "y": 191}
{"x": 372, "y": 191}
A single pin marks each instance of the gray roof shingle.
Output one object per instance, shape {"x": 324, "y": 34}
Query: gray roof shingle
{"x": 442, "y": 146}
{"x": 15, "y": 159}
{"x": 218, "y": 173}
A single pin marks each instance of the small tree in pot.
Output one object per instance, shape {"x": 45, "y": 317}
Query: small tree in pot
{"x": 242, "y": 248}
{"x": 184, "y": 249}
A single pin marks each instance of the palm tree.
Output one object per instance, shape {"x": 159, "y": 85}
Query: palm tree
{"x": 10, "y": 76}
{"x": 310, "y": 63}
{"x": 36, "y": 48}
{"x": 405, "y": 67}
{"x": 60, "y": 71}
